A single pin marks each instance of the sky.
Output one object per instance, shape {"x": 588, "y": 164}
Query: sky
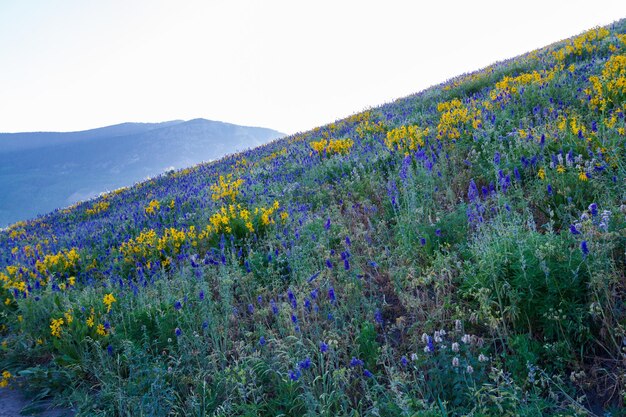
{"x": 288, "y": 65}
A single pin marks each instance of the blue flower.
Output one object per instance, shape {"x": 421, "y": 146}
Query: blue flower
{"x": 178, "y": 305}
{"x": 356, "y": 362}
{"x": 329, "y": 264}
{"x": 430, "y": 344}
{"x": 295, "y": 375}
{"x": 472, "y": 191}
{"x": 378, "y": 317}
{"x": 250, "y": 308}
{"x": 584, "y": 248}
{"x": 367, "y": 373}
{"x": 593, "y": 209}
{"x": 331, "y": 295}
{"x": 262, "y": 341}
{"x": 404, "y": 361}
{"x": 312, "y": 277}
{"x": 573, "y": 230}
{"x": 178, "y": 332}
{"x": 201, "y": 295}
{"x": 305, "y": 364}
{"x": 323, "y": 347}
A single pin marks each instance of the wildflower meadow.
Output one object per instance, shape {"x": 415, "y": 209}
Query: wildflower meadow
{"x": 461, "y": 251}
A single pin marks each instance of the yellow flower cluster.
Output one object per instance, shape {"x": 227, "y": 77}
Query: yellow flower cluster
{"x": 319, "y": 146}
{"x": 6, "y": 377}
{"x": 12, "y": 280}
{"x": 226, "y": 187}
{"x": 267, "y": 213}
{"x": 360, "y": 117}
{"x": 141, "y": 246}
{"x": 454, "y": 115}
{"x": 609, "y": 89}
{"x": 61, "y": 262}
{"x": 17, "y": 233}
{"x": 153, "y": 207}
{"x": 509, "y": 86}
{"x": 221, "y": 220}
{"x": 98, "y": 207}
{"x": 147, "y": 243}
{"x": 332, "y": 146}
{"x": 225, "y": 220}
{"x": 367, "y": 128}
{"x": 406, "y": 138}
{"x": 585, "y": 43}
{"x": 108, "y": 300}
{"x": 56, "y": 327}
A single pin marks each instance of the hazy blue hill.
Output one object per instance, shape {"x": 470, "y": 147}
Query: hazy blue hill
{"x": 10, "y": 142}
{"x": 42, "y": 171}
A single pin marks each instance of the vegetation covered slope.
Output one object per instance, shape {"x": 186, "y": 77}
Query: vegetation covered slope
{"x": 457, "y": 252}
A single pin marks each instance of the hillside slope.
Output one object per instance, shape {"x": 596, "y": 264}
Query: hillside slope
{"x": 457, "y": 252}
{"x": 40, "y": 172}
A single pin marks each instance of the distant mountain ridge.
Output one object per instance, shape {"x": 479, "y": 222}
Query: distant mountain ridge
{"x": 42, "y": 171}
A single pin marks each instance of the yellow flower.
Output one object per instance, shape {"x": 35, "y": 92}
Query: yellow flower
{"x": 101, "y": 330}
{"x": 69, "y": 317}
{"x": 541, "y": 174}
{"x": 90, "y": 321}
{"x": 55, "y": 327}
{"x": 72, "y": 281}
{"x": 560, "y": 169}
{"x": 582, "y": 176}
{"x": 97, "y": 208}
{"x": 153, "y": 207}
{"x": 108, "y": 300}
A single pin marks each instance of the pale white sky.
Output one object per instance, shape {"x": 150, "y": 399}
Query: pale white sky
{"x": 289, "y": 65}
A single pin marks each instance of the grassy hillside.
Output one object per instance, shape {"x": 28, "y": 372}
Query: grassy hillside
{"x": 456, "y": 252}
